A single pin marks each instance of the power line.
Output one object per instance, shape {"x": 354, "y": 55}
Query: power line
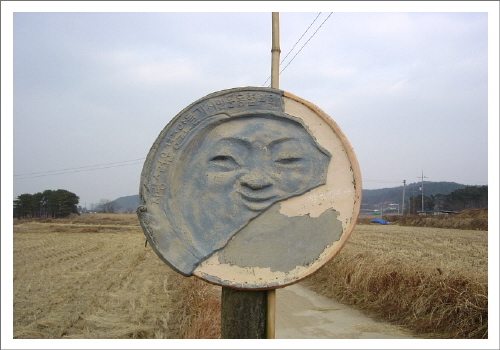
{"x": 137, "y": 161}
{"x": 283, "y": 60}
{"x": 81, "y": 167}
{"x": 299, "y": 41}
{"x": 78, "y": 169}
{"x": 306, "y": 42}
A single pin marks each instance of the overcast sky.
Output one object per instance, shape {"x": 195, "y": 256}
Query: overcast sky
{"x": 92, "y": 90}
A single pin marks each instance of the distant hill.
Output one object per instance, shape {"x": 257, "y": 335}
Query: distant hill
{"x": 128, "y": 204}
{"x": 370, "y": 197}
{"x": 395, "y": 194}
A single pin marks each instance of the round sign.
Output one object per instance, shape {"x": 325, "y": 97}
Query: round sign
{"x": 249, "y": 188}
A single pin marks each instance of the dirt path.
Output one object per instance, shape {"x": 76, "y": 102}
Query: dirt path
{"x": 304, "y": 314}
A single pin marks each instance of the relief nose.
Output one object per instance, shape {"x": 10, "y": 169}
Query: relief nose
{"x": 256, "y": 180}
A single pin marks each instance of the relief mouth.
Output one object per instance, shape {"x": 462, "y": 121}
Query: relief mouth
{"x": 257, "y": 203}
{"x": 257, "y": 199}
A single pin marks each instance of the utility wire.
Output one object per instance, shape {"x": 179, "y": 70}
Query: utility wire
{"x": 283, "y": 60}
{"x": 306, "y": 42}
{"x": 137, "y": 161}
{"x": 81, "y": 167}
{"x": 302, "y": 45}
{"x": 78, "y": 169}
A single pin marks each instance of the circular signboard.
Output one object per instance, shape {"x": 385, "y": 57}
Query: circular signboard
{"x": 249, "y": 188}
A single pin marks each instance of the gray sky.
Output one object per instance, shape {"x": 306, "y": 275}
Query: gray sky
{"x": 92, "y": 90}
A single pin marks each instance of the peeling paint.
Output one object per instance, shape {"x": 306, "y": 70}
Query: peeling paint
{"x": 281, "y": 222}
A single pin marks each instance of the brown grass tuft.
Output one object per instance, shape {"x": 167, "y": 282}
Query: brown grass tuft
{"x": 433, "y": 281}
{"x": 469, "y": 219}
{"x": 196, "y": 309}
{"x": 446, "y": 221}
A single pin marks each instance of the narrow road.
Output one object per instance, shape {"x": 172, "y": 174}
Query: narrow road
{"x": 304, "y": 314}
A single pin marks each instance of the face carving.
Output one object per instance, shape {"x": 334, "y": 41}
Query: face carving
{"x": 236, "y": 169}
{"x": 250, "y": 188}
{"x": 259, "y": 161}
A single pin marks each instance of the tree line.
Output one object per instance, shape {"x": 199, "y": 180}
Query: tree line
{"x": 470, "y": 197}
{"x": 49, "y": 203}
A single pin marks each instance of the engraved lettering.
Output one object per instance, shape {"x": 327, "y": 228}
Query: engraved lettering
{"x": 231, "y": 101}
{"x": 162, "y": 168}
{"x": 270, "y": 100}
{"x": 241, "y": 100}
{"x": 220, "y": 104}
{"x": 210, "y": 106}
{"x": 251, "y": 99}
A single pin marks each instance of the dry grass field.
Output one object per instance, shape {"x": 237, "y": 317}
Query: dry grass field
{"x": 91, "y": 276}
{"x": 432, "y": 280}
{"x": 88, "y": 277}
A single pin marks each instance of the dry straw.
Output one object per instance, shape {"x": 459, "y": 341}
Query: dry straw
{"x": 433, "y": 281}
{"x": 92, "y": 277}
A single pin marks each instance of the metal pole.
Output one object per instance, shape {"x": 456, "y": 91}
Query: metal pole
{"x": 403, "y": 206}
{"x": 422, "y": 187}
{"x": 422, "y": 190}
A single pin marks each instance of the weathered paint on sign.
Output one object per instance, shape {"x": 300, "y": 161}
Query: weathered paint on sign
{"x": 250, "y": 188}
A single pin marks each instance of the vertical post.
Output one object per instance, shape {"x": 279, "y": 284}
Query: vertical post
{"x": 243, "y": 314}
{"x": 403, "y": 206}
{"x": 275, "y": 73}
{"x": 422, "y": 187}
{"x": 422, "y": 190}
{"x": 275, "y": 51}
{"x": 271, "y": 314}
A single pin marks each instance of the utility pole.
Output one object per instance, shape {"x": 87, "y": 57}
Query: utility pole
{"x": 403, "y": 206}
{"x": 275, "y": 73}
{"x": 275, "y": 50}
{"x": 422, "y": 188}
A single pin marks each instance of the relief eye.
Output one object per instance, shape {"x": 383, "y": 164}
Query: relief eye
{"x": 224, "y": 162}
{"x": 222, "y": 158}
{"x": 288, "y": 160}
